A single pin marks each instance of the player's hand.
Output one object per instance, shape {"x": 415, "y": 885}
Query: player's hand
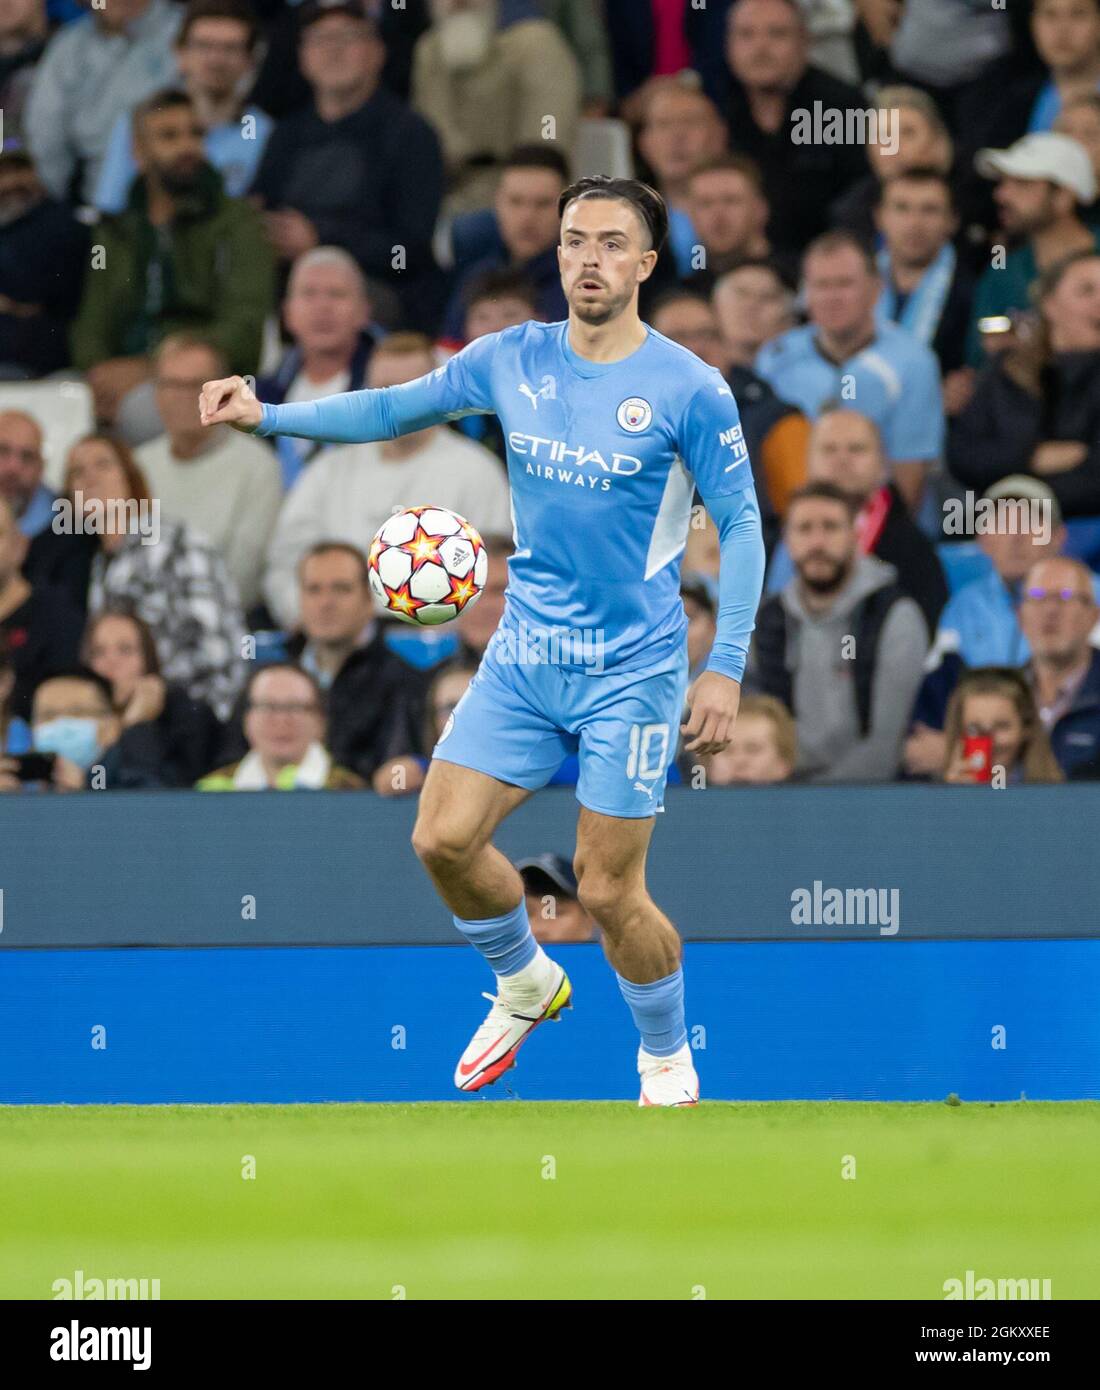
{"x": 230, "y": 401}
{"x": 713, "y": 701}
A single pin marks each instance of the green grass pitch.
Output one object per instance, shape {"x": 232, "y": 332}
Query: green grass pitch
{"x": 546, "y": 1200}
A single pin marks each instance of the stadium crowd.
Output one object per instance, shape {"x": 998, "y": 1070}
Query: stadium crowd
{"x": 885, "y": 233}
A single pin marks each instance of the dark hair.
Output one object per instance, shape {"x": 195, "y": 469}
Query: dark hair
{"x": 319, "y": 694}
{"x": 840, "y": 240}
{"x": 167, "y": 99}
{"x": 1036, "y": 759}
{"x": 769, "y": 263}
{"x": 338, "y": 548}
{"x": 459, "y": 665}
{"x": 538, "y": 157}
{"x": 676, "y": 295}
{"x": 500, "y": 284}
{"x": 646, "y": 202}
{"x": 136, "y": 485}
{"x": 235, "y": 10}
{"x": 733, "y": 164}
{"x": 149, "y": 657}
{"x": 923, "y": 174}
{"x": 825, "y": 492}
{"x": 84, "y": 674}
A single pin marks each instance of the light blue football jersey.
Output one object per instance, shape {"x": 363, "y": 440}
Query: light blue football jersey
{"x": 603, "y": 461}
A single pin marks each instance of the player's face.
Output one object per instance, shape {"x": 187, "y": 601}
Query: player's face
{"x": 334, "y": 599}
{"x": 821, "y": 539}
{"x": 752, "y": 757}
{"x": 603, "y": 256}
{"x": 692, "y": 324}
{"x": 527, "y": 211}
{"x": 916, "y": 220}
{"x": 325, "y": 308}
{"x": 844, "y": 450}
{"x": 840, "y": 290}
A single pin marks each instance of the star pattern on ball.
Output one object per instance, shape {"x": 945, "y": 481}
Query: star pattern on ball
{"x": 423, "y": 547}
{"x": 462, "y": 591}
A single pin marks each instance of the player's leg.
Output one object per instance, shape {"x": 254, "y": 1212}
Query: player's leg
{"x": 643, "y": 947}
{"x": 628, "y": 728}
{"x": 496, "y": 751}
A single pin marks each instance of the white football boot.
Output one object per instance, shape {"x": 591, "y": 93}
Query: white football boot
{"x": 668, "y": 1080}
{"x": 492, "y": 1049}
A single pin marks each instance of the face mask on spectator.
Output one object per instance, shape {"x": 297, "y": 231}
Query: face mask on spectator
{"x": 71, "y": 737}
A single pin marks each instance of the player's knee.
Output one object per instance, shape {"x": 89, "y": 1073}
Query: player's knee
{"x": 441, "y": 845}
{"x": 602, "y": 895}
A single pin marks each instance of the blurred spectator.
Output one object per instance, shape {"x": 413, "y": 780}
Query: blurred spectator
{"x": 327, "y": 313}
{"x": 926, "y": 288}
{"x": 43, "y": 253}
{"x": 357, "y": 169}
{"x": 73, "y": 720}
{"x": 582, "y": 23}
{"x": 281, "y": 89}
{"x": 373, "y": 699}
{"x": 183, "y": 256}
{"x": 173, "y": 580}
{"x": 844, "y": 354}
{"x": 490, "y": 75}
{"x": 754, "y": 303}
{"x": 215, "y": 53}
{"x": 1058, "y": 612}
{"x": 1080, "y": 120}
{"x": 284, "y": 725}
{"x": 681, "y": 132}
{"x": 772, "y": 82}
{"x": 1036, "y": 407}
{"x": 1044, "y": 181}
{"x": 447, "y": 684}
{"x": 553, "y": 908}
{"x": 776, "y": 433}
{"x": 846, "y": 450}
{"x": 919, "y": 139}
{"x": 94, "y": 69}
{"x": 24, "y": 29}
{"x": 21, "y": 467}
{"x": 998, "y": 703}
{"x": 526, "y": 210}
{"x": 220, "y": 483}
{"x": 729, "y": 212}
{"x": 40, "y": 623}
{"x": 841, "y": 646}
{"x": 763, "y": 748}
{"x": 654, "y": 39}
{"x": 700, "y": 599}
{"x": 478, "y": 621}
{"x": 495, "y": 300}
{"x": 347, "y": 493}
{"x": 15, "y": 733}
{"x": 166, "y": 738}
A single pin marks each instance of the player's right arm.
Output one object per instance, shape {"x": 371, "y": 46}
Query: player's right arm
{"x": 460, "y": 387}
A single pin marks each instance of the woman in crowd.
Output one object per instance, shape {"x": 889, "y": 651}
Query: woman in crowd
{"x": 996, "y": 703}
{"x": 170, "y": 578}
{"x": 1036, "y": 406}
{"x": 168, "y": 738}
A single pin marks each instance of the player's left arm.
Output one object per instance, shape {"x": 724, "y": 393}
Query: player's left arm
{"x": 714, "y": 448}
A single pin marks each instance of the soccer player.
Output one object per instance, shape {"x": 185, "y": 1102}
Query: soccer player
{"x": 610, "y": 428}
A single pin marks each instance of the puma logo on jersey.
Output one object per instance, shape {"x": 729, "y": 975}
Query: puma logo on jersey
{"x": 533, "y": 396}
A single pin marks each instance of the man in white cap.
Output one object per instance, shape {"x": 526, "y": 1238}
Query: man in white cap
{"x": 1043, "y": 181}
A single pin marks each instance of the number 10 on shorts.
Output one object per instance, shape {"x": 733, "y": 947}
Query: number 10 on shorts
{"x": 648, "y": 753}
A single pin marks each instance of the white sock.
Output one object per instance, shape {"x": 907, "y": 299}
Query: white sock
{"x": 531, "y": 984}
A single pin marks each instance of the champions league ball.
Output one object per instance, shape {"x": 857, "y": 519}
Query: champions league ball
{"x": 426, "y": 565}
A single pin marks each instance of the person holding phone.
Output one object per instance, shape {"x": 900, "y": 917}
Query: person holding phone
{"x": 73, "y": 724}
{"x": 993, "y": 732}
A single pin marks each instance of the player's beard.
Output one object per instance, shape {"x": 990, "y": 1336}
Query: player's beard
{"x": 604, "y": 311}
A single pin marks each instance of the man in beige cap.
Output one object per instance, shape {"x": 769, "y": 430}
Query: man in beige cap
{"x": 1043, "y": 182}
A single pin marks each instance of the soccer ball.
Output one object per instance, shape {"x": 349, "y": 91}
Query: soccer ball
{"x": 426, "y": 565}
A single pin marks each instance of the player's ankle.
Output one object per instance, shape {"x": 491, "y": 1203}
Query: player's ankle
{"x": 529, "y": 985}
